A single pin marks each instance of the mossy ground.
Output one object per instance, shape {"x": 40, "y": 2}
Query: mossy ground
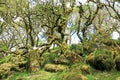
{"x": 43, "y": 75}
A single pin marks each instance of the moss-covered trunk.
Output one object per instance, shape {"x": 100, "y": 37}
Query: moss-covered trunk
{"x": 33, "y": 62}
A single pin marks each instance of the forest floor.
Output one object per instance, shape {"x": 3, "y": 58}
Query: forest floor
{"x": 44, "y": 75}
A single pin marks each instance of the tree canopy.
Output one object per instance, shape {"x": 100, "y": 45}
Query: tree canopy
{"x": 42, "y": 23}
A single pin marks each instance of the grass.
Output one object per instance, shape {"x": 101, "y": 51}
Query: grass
{"x": 40, "y": 75}
{"x": 57, "y": 76}
{"x": 104, "y": 75}
{"x": 43, "y": 75}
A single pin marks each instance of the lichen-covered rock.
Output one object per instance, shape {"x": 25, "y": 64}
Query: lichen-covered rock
{"x": 55, "y": 68}
{"x": 74, "y": 76}
{"x": 6, "y": 69}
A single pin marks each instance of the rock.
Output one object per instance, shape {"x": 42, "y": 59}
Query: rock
{"x": 55, "y": 68}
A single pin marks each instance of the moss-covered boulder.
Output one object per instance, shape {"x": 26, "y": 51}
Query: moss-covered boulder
{"x": 61, "y": 60}
{"x": 6, "y": 69}
{"x": 55, "y": 68}
{"x": 117, "y": 62}
{"x": 80, "y": 67}
{"x": 101, "y": 61}
{"x": 74, "y": 76}
{"x": 20, "y": 61}
{"x": 72, "y": 56}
